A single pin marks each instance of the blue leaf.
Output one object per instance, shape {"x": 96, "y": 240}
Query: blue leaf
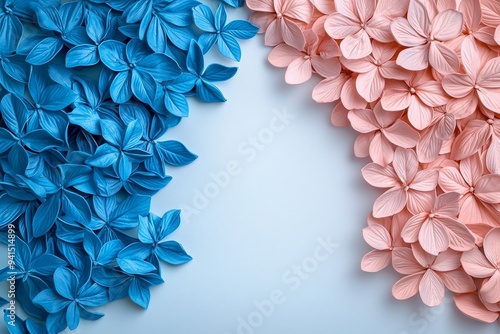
{"x": 172, "y": 253}
{"x": 120, "y": 89}
{"x": 175, "y": 153}
{"x": 46, "y": 215}
{"x": 217, "y": 72}
{"x": 82, "y": 55}
{"x": 159, "y": 66}
{"x": 56, "y": 97}
{"x": 139, "y": 293}
{"x": 45, "y": 51}
{"x": 113, "y": 55}
{"x": 241, "y": 29}
{"x": 207, "y": 92}
{"x": 204, "y": 18}
{"x": 229, "y": 47}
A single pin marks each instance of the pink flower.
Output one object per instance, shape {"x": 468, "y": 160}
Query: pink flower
{"x": 374, "y": 69}
{"x": 478, "y": 191}
{"x": 408, "y": 186}
{"x": 480, "y": 83}
{"x": 355, "y": 22}
{"x": 380, "y": 131}
{"x": 383, "y": 234}
{"x": 420, "y": 94}
{"x": 473, "y": 27}
{"x": 436, "y": 228}
{"x": 343, "y": 87}
{"x": 302, "y": 64}
{"x": 280, "y": 20}
{"x": 428, "y": 274}
{"x": 486, "y": 265}
{"x": 423, "y": 38}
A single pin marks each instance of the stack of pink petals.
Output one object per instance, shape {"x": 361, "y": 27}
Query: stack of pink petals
{"x": 420, "y": 81}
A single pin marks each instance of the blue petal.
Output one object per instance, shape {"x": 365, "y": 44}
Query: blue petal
{"x": 82, "y": 55}
{"x": 56, "y": 97}
{"x": 76, "y": 207}
{"x": 156, "y": 35}
{"x": 229, "y": 47}
{"x": 7, "y": 140}
{"x": 207, "y": 41}
{"x": 139, "y": 293}
{"x": 126, "y": 214}
{"x": 220, "y": 17}
{"x": 105, "y": 156}
{"x": 175, "y": 153}
{"x": 40, "y": 140}
{"x": 217, "y": 72}
{"x": 11, "y": 30}
{"x": 241, "y": 29}
{"x": 66, "y": 283}
{"x": 135, "y": 266}
{"x": 87, "y": 118}
{"x": 109, "y": 252}
{"x": 45, "y": 51}
{"x": 17, "y": 69}
{"x": 48, "y": 18}
{"x": 207, "y": 92}
{"x": 159, "y": 66}
{"x": 47, "y": 264}
{"x": 204, "y": 18}
{"x": 46, "y": 215}
{"x": 169, "y": 223}
{"x": 172, "y": 252}
{"x": 14, "y": 112}
{"x": 113, "y": 55}
{"x": 120, "y": 89}
{"x": 51, "y": 301}
{"x": 143, "y": 86}
{"x": 73, "y": 315}
{"x": 93, "y": 296}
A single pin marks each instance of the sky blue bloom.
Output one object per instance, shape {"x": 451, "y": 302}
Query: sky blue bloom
{"x": 216, "y": 31}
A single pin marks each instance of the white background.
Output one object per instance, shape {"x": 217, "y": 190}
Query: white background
{"x": 304, "y": 186}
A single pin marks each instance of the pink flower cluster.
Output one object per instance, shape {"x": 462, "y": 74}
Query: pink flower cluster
{"x": 420, "y": 81}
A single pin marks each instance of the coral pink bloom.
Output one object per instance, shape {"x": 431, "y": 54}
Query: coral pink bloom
{"x": 383, "y": 234}
{"x": 420, "y": 94}
{"x": 374, "y": 69}
{"x": 472, "y": 305}
{"x": 302, "y": 64}
{"x": 480, "y": 83}
{"x": 380, "y": 131}
{"x": 478, "y": 191}
{"x": 423, "y": 38}
{"x": 408, "y": 186}
{"x": 486, "y": 265}
{"x": 428, "y": 274}
{"x": 433, "y": 138}
{"x": 279, "y": 19}
{"x": 343, "y": 87}
{"x": 354, "y": 23}
{"x": 471, "y": 9}
{"x": 324, "y": 6}
{"x": 436, "y": 228}
{"x": 474, "y": 136}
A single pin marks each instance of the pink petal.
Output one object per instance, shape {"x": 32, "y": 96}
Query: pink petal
{"x": 424, "y": 259}
{"x": 273, "y": 34}
{"x": 446, "y": 126}
{"x": 380, "y": 177}
{"x": 490, "y": 74}
{"x": 329, "y": 89}
{"x": 362, "y": 65}
{"x": 363, "y": 120}
{"x": 447, "y": 25}
{"x": 262, "y": 20}
{"x": 490, "y": 292}
{"x": 385, "y": 119}
{"x": 405, "y": 164}
{"x": 472, "y": 138}
{"x": 261, "y": 5}
{"x": 328, "y": 48}
{"x": 391, "y": 70}
{"x": 370, "y": 85}
{"x": 396, "y": 96}
{"x": 476, "y": 264}
{"x": 338, "y": 116}
{"x": 406, "y": 287}
{"x": 377, "y": 237}
{"x": 471, "y": 9}
{"x": 347, "y": 8}
{"x": 339, "y": 26}
{"x": 365, "y": 9}
{"x": 404, "y": 33}
{"x": 381, "y": 150}
{"x": 350, "y": 97}
{"x": 379, "y": 28}
{"x": 389, "y": 203}
{"x": 298, "y": 10}
{"x": 375, "y": 260}
{"x": 425, "y": 180}
{"x": 356, "y": 46}
{"x": 461, "y": 239}
{"x": 362, "y": 145}
{"x": 292, "y": 34}
{"x": 432, "y": 94}
{"x": 491, "y": 12}
{"x": 324, "y": 6}
{"x": 326, "y": 67}
{"x": 450, "y": 180}
{"x": 401, "y": 134}
{"x": 415, "y": 58}
{"x": 474, "y": 211}
{"x": 419, "y": 114}
{"x": 442, "y": 58}
{"x": 447, "y": 261}
{"x": 458, "y": 281}
{"x": 404, "y": 261}
{"x": 458, "y": 85}
{"x": 282, "y": 55}
{"x": 419, "y": 200}
{"x": 470, "y": 55}
{"x": 490, "y": 98}
{"x": 429, "y": 145}
{"x": 418, "y": 18}
{"x": 488, "y": 188}
{"x": 471, "y": 305}
{"x": 299, "y": 71}
{"x": 492, "y": 246}
{"x": 497, "y": 35}
{"x": 433, "y": 237}
{"x": 391, "y": 8}
{"x": 412, "y": 227}
{"x": 447, "y": 204}
{"x": 465, "y": 106}
{"x": 384, "y": 52}
{"x": 493, "y": 156}
{"x": 431, "y": 289}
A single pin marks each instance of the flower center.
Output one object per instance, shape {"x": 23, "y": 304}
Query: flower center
{"x": 38, "y": 106}
{"x": 307, "y": 57}
{"x": 476, "y": 87}
{"x": 412, "y": 90}
{"x": 490, "y": 121}
{"x": 279, "y": 15}
{"x": 378, "y": 62}
{"x": 471, "y": 189}
{"x": 432, "y": 215}
{"x": 131, "y": 65}
{"x": 431, "y": 38}
{"x": 8, "y": 10}
{"x": 363, "y": 26}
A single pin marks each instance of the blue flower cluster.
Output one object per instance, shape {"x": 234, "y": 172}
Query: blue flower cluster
{"x": 81, "y": 151}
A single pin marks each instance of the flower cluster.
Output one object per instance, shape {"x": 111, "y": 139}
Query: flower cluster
{"x": 420, "y": 82}
{"x": 88, "y": 90}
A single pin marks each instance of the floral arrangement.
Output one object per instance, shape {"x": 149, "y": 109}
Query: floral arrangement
{"x": 420, "y": 81}
{"x": 88, "y": 90}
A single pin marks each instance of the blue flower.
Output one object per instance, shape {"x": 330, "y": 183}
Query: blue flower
{"x": 205, "y": 90}
{"x": 70, "y": 300}
{"x": 216, "y": 31}
{"x": 14, "y": 71}
{"x": 137, "y": 69}
{"x": 12, "y": 28}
